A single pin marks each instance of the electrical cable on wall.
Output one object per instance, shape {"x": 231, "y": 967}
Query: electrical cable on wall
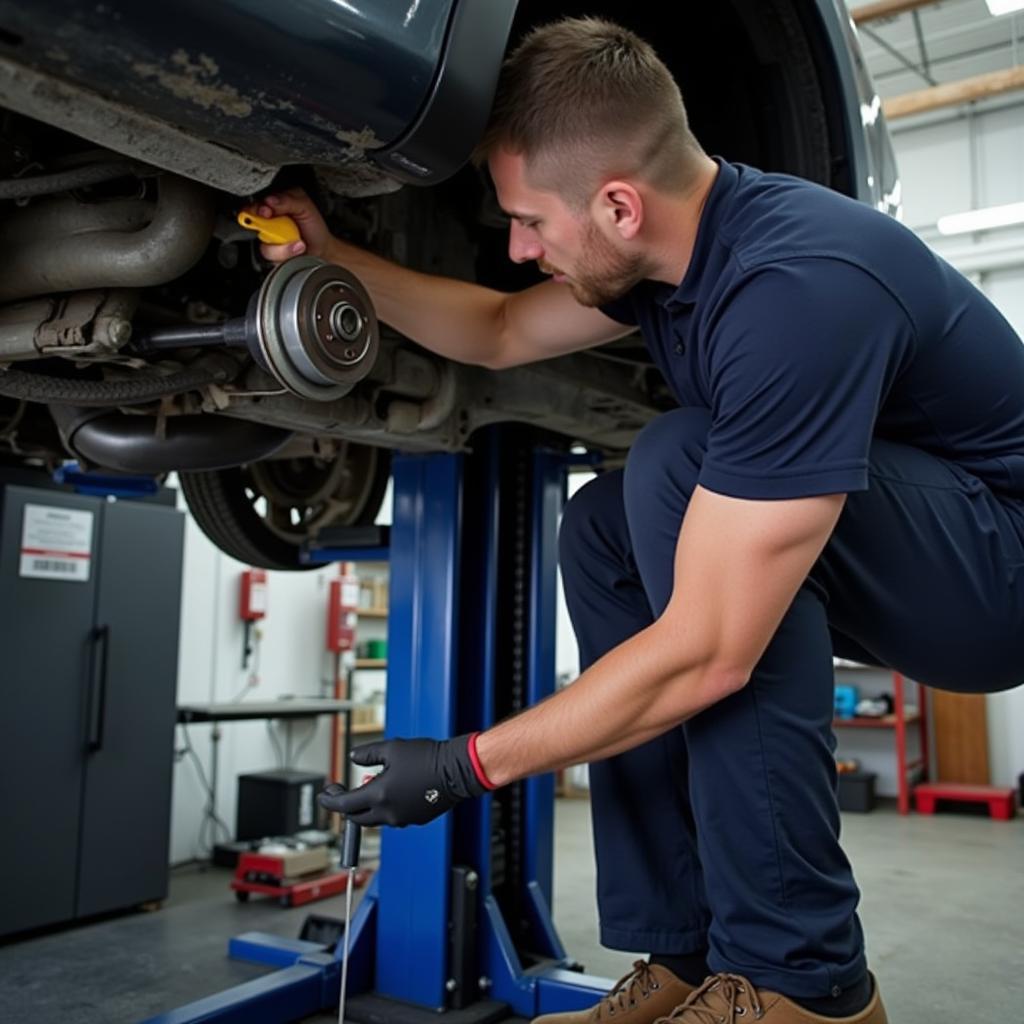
{"x": 278, "y": 752}
{"x": 305, "y": 743}
{"x": 210, "y": 819}
{"x": 253, "y": 678}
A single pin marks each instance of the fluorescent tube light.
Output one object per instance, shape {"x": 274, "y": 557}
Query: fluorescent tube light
{"x": 997, "y": 7}
{"x": 982, "y": 220}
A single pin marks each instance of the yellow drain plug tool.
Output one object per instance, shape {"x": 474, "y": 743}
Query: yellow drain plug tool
{"x": 272, "y": 230}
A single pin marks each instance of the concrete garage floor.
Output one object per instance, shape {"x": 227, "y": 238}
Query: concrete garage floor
{"x": 943, "y": 910}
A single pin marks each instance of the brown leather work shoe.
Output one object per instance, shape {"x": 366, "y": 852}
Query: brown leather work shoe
{"x": 727, "y": 997}
{"x": 648, "y": 992}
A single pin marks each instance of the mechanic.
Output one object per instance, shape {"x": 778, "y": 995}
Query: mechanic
{"x": 844, "y": 475}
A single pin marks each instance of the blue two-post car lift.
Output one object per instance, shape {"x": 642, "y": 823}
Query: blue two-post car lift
{"x": 458, "y": 918}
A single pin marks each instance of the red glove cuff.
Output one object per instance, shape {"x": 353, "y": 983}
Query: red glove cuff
{"x": 478, "y": 768}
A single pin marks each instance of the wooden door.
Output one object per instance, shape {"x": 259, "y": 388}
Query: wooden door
{"x": 961, "y": 737}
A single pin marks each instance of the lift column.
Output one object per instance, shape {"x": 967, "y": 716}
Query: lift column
{"x": 463, "y": 912}
{"x": 458, "y": 917}
{"x": 415, "y": 870}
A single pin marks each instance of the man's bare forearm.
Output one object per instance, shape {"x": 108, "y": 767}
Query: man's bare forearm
{"x": 637, "y": 691}
{"x": 738, "y": 565}
{"x": 456, "y": 319}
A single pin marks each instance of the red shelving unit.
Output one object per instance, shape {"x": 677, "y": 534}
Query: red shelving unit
{"x": 898, "y": 721}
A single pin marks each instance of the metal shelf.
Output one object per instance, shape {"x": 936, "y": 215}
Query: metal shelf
{"x": 898, "y": 722}
{"x": 367, "y": 728}
{"x": 246, "y": 709}
{"x": 884, "y": 722}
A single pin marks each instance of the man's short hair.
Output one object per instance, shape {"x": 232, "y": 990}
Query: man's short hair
{"x": 585, "y": 100}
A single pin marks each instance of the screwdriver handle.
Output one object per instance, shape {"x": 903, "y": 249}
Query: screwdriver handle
{"x": 273, "y": 230}
{"x": 350, "y": 844}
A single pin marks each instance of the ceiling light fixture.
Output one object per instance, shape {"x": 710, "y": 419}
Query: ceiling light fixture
{"x": 982, "y": 220}
{"x": 997, "y": 7}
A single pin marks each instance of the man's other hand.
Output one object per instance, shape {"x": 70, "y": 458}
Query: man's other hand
{"x": 296, "y": 204}
{"x": 421, "y": 780}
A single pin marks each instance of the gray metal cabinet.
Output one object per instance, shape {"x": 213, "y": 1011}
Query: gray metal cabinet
{"x": 88, "y": 671}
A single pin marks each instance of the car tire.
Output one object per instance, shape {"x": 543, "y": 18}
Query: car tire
{"x": 226, "y": 503}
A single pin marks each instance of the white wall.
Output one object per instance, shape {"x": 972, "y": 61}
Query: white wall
{"x": 290, "y": 659}
{"x": 949, "y": 164}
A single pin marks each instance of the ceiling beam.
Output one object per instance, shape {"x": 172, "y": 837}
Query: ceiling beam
{"x": 952, "y": 93}
{"x": 886, "y": 9}
{"x": 899, "y": 57}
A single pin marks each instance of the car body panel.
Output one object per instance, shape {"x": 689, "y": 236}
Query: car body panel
{"x": 875, "y": 178}
{"x": 309, "y": 82}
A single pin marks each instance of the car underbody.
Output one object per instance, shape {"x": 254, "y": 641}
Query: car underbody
{"x": 141, "y": 332}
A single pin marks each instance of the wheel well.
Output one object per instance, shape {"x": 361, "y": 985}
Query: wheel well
{"x": 749, "y": 73}
{"x": 759, "y": 86}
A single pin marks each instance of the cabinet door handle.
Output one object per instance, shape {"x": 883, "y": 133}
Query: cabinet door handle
{"x": 98, "y": 703}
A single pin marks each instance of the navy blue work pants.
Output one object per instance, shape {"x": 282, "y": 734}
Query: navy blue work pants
{"x": 724, "y": 831}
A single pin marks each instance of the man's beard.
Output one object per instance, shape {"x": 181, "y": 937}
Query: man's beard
{"x": 603, "y": 274}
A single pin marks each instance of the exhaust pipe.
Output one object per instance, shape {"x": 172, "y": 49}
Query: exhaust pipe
{"x": 172, "y": 243}
{"x": 135, "y": 444}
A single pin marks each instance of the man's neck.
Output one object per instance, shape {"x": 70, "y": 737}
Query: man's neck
{"x": 674, "y": 222}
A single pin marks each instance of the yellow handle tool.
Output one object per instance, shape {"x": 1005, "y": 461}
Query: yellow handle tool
{"x": 273, "y": 230}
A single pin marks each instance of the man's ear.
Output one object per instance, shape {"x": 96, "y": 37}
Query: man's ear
{"x": 619, "y": 206}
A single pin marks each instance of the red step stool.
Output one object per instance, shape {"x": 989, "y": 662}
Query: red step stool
{"x": 1001, "y": 800}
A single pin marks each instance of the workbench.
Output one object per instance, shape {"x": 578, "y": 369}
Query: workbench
{"x": 238, "y": 711}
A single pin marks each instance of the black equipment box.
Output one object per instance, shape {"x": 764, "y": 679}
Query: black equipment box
{"x": 277, "y": 803}
{"x": 857, "y": 791}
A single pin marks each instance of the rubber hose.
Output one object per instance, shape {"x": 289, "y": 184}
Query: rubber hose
{"x": 35, "y": 387}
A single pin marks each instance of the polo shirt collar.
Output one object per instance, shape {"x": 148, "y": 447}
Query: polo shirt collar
{"x": 707, "y": 230}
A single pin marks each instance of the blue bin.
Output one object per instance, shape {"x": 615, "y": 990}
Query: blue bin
{"x": 846, "y": 697}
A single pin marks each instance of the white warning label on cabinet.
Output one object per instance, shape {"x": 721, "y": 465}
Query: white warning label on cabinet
{"x": 56, "y": 543}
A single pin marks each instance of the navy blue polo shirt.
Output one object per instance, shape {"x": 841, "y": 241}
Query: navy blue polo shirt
{"x": 808, "y": 323}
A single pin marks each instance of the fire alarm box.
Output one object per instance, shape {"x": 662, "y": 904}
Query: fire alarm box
{"x": 342, "y": 605}
{"x": 253, "y": 595}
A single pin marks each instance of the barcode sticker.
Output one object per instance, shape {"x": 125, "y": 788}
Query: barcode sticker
{"x": 56, "y": 543}
{"x": 72, "y": 570}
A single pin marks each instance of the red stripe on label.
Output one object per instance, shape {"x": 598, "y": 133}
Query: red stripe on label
{"x": 46, "y": 552}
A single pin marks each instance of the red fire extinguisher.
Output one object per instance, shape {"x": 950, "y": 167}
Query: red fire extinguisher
{"x": 342, "y": 603}
{"x": 252, "y": 606}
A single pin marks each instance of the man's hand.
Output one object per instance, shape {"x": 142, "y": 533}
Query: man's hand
{"x": 294, "y": 203}
{"x": 421, "y": 780}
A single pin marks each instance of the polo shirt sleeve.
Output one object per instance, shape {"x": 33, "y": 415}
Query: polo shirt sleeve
{"x": 800, "y": 358}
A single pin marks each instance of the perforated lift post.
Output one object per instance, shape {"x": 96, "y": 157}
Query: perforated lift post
{"x": 458, "y": 916}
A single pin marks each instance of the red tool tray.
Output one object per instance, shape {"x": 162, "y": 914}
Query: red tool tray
{"x": 293, "y": 894}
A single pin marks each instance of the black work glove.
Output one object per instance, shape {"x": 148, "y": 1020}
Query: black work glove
{"x": 421, "y": 780}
